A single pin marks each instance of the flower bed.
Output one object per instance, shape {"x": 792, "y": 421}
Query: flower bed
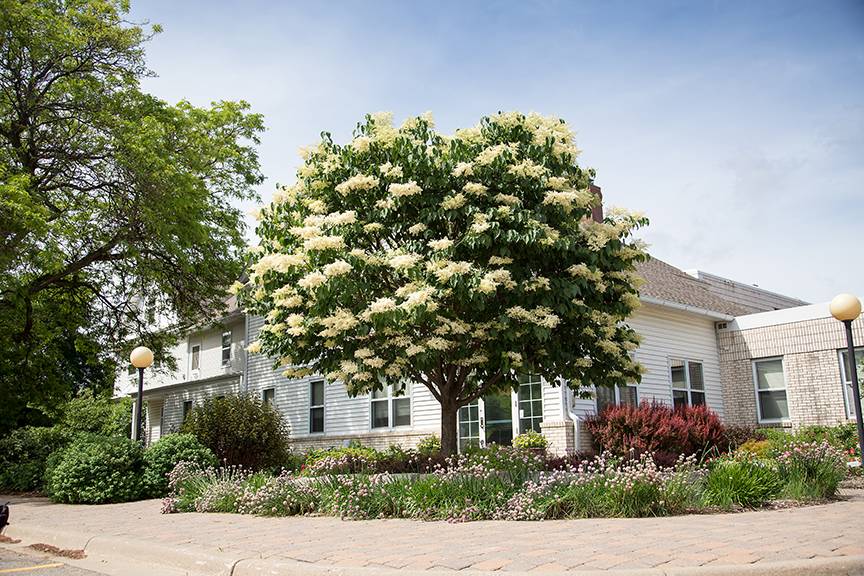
{"x": 512, "y": 484}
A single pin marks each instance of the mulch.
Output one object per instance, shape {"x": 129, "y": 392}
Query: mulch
{"x": 55, "y": 551}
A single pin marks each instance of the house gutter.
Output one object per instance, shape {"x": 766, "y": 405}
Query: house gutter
{"x": 687, "y": 308}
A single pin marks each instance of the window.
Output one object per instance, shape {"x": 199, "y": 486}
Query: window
{"x": 227, "y": 339}
{"x": 196, "y": 357}
{"x": 316, "y": 406}
{"x": 268, "y": 395}
{"x": 132, "y": 371}
{"x": 846, "y": 376}
{"x": 530, "y": 402}
{"x": 688, "y": 383}
{"x": 770, "y": 390}
{"x": 187, "y": 408}
{"x": 391, "y": 406}
{"x": 616, "y": 396}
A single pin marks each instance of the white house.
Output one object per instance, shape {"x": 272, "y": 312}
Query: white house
{"x": 678, "y": 324}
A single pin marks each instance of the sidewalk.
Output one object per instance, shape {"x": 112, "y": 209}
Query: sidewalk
{"x": 826, "y": 539}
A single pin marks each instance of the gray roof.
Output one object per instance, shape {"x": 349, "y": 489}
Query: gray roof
{"x": 665, "y": 282}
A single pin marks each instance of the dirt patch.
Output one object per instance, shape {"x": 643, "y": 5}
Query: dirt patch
{"x": 55, "y": 551}
{"x": 8, "y": 540}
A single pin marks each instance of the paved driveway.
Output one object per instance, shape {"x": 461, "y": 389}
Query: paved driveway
{"x": 750, "y": 538}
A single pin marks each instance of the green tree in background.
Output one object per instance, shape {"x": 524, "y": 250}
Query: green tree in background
{"x": 116, "y": 208}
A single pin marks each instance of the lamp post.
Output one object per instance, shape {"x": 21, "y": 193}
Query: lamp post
{"x": 846, "y": 308}
{"x": 141, "y": 358}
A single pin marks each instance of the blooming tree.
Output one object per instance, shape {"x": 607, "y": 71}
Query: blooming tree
{"x": 456, "y": 262}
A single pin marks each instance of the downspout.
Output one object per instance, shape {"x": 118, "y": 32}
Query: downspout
{"x": 568, "y": 414}
{"x": 244, "y": 374}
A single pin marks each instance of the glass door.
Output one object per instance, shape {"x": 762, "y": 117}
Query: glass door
{"x": 485, "y": 421}
{"x": 497, "y": 418}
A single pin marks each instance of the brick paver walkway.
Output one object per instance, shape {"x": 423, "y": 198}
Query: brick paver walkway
{"x": 826, "y": 531}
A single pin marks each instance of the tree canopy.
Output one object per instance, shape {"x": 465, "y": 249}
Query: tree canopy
{"x": 457, "y": 262}
{"x": 116, "y": 208}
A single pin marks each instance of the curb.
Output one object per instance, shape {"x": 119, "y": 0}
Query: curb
{"x": 123, "y": 551}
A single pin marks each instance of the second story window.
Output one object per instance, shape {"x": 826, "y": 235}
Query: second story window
{"x": 195, "y": 361}
{"x": 227, "y": 340}
{"x": 688, "y": 383}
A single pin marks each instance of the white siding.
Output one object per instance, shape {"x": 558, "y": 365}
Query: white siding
{"x": 343, "y": 415}
{"x": 668, "y": 333}
{"x": 210, "y": 339}
{"x": 173, "y": 399}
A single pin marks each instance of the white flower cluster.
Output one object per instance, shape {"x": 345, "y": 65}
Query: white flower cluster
{"x": 369, "y": 265}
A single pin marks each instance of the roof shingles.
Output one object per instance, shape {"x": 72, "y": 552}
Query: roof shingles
{"x": 665, "y": 282}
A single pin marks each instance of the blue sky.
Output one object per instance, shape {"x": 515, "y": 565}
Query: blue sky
{"x": 737, "y": 127}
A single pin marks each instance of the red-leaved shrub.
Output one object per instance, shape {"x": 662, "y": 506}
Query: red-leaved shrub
{"x": 659, "y": 429}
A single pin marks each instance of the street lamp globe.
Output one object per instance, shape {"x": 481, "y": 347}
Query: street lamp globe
{"x": 141, "y": 357}
{"x": 845, "y": 307}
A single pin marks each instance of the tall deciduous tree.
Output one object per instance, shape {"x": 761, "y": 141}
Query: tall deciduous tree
{"x": 115, "y": 208}
{"x": 457, "y": 262}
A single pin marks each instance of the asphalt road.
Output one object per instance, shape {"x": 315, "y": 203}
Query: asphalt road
{"x": 14, "y": 563}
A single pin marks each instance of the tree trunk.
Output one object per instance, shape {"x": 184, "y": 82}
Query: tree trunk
{"x": 449, "y": 422}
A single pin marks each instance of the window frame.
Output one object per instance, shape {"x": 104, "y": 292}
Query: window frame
{"x": 264, "y": 399}
{"x": 846, "y": 382}
{"x": 391, "y": 400}
{"x": 193, "y": 370}
{"x": 517, "y": 404}
{"x": 759, "y": 418}
{"x": 184, "y": 412}
{"x": 689, "y": 388}
{"x": 227, "y": 361}
{"x": 617, "y": 400}
{"x": 312, "y": 407}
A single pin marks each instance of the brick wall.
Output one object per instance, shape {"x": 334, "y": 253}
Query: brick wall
{"x": 377, "y": 440}
{"x": 561, "y": 436}
{"x": 811, "y": 366}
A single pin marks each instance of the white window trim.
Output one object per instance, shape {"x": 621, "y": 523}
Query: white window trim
{"x": 264, "y": 394}
{"x": 194, "y": 372}
{"x": 323, "y": 405}
{"x": 517, "y": 419}
{"x": 785, "y": 389}
{"x": 617, "y": 389}
{"x": 846, "y": 382}
{"x": 688, "y": 389}
{"x": 229, "y": 333}
{"x": 390, "y": 412}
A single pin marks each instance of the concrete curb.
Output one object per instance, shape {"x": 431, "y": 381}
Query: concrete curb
{"x": 118, "y": 552}
{"x": 847, "y": 565}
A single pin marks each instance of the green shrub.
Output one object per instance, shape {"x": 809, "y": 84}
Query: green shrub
{"x": 811, "y": 470}
{"x": 757, "y": 448}
{"x": 531, "y": 440}
{"x": 241, "y": 430}
{"x": 163, "y": 456}
{"x": 741, "y": 480}
{"x": 24, "y": 454}
{"x": 429, "y": 445}
{"x": 96, "y": 470}
{"x": 346, "y": 460}
{"x": 98, "y": 414}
